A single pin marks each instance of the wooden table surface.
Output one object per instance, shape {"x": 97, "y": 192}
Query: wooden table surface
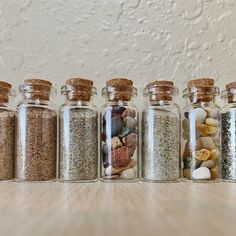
{"x": 117, "y": 209}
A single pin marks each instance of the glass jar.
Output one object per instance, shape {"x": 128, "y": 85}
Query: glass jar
{"x": 201, "y": 132}
{"x": 78, "y": 132}
{"x": 228, "y": 133}
{"x": 160, "y": 161}
{"x": 36, "y": 133}
{"x": 119, "y": 132}
{"x": 7, "y": 132}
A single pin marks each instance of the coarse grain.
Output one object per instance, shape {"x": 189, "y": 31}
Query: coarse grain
{"x": 7, "y": 144}
{"x": 36, "y": 143}
{"x": 160, "y": 145}
{"x": 78, "y": 144}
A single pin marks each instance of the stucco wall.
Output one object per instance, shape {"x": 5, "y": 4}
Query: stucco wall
{"x": 143, "y": 40}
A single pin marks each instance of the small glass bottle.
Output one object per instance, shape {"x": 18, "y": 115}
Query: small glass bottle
{"x": 160, "y": 160}
{"x": 7, "y": 132}
{"x": 119, "y": 132}
{"x": 228, "y": 133}
{"x": 201, "y": 132}
{"x": 78, "y": 132}
{"x": 36, "y": 135}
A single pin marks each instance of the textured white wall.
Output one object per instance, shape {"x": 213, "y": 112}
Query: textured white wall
{"x": 143, "y": 40}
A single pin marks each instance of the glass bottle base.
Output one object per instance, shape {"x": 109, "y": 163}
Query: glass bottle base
{"x": 202, "y": 180}
{"x": 77, "y": 181}
{"x": 119, "y": 180}
{"x": 160, "y": 181}
{"x": 229, "y": 180}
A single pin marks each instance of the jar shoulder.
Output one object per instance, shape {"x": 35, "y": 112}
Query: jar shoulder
{"x": 24, "y": 106}
{"x": 228, "y": 108}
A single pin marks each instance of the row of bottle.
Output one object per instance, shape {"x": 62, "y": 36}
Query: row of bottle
{"x": 28, "y": 140}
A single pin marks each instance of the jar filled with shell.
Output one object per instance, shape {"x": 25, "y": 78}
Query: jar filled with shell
{"x": 228, "y": 133}
{"x": 7, "y": 132}
{"x": 119, "y": 132}
{"x": 78, "y": 132}
{"x": 36, "y": 132}
{"x": 160, "y": 161}
{"x": 201, "y": 132}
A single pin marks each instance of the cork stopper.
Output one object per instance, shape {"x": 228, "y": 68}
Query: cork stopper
{"x": 160, "y": 90}
{"x": 201, "y": 90}
{"x": 202, "y": 82}
{"x": 78, "y": 89}
{"x": 230, "y": 92}
{"x": 5, "y": 88}
{"x": 36, "y": 89}
{"x": 231, "y": 85}
{"x": 119, "y": 89}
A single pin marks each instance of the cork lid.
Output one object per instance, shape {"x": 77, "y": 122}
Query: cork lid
{"x": 36, "y": 89}
{"x": 160, "y": 90}
{"x": 119, "y": 82}
{"x": 119, "y": 89}
{"x": 202, "y": 82}
{"x": 231, "y": 85}
{"x": 5, "y": 89}
{"x": 230, "y": 92}
{"x": 201, "y": 90}
{"x": 78, "y": 89}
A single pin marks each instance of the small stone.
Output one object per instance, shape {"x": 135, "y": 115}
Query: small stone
{"x": 186, "y": 150}
{"x": 212, "y": 122}
{"x": 196, "y": 163}
{"x": 116, "y": 143}
{"x": 118, "y": 109}
{"x": 215, "y": 155}
{"x": 206, "y": 130}
{"x": 202, "y": 155}
{"x": 185, "y": 125}
{"x": 105, "y": 155}
{"x": 214, "y": 172}
{"x": 131, "y": 142}
{"x": 209, "y": 164}
{"x": 212, "y": 113}
{"x": 187, "y": 162}
{"x": 201, "y": 173}
{"x": 185, "y": 136}
{"x": 207, "y": 142}
{"x": 111, "y": 177}
{"x": 186, "y": 173}
{"x": 120, "y": 157}
{"x": 116, "y": 125}
{"x": 129, "y": 112}
{"x": 128, "y": 174}
{"x": 130, "y": 122}
{"x": 126, "y": 131}
{"x": 199, "y": 114}
{"x": 198, "y": 144}
{"x": 111, "y": 171}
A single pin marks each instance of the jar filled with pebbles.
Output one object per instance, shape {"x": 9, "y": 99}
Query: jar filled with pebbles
{"x": 119, "y": 132}
{"x": 7, "y": 132}
{"x": 201, "y": 132}
{"x": 36, "y": 132}
{"x": 228, "y": 133}
{"x": 160, "y": 161}
{"x": 78, "y": 132}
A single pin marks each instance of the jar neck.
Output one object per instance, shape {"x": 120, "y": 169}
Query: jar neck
{"x": 35, "y": 101}
{"x": 196, "y": 99}
{"x": 160, "y": 102}
{"x": 118, "y": 102}
{"x": 78, "y": 103}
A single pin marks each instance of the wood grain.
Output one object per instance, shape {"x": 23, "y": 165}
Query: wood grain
{"x": 117, "y": 209}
